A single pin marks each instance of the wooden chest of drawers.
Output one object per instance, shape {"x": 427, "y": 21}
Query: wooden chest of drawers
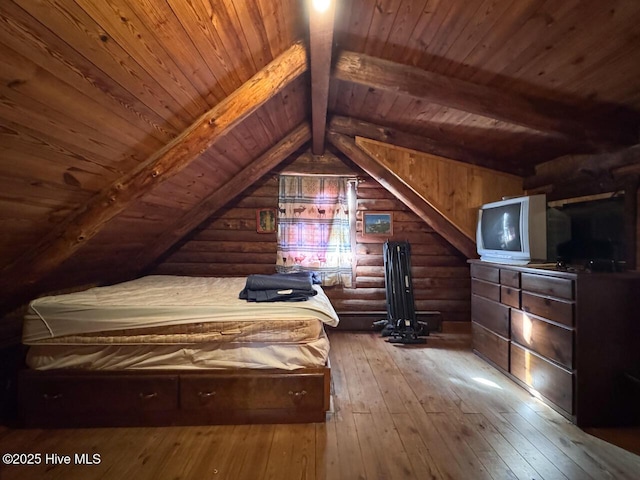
{"x": 567, "y": 337}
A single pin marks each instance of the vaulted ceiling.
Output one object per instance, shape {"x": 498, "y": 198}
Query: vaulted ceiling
{"x": 125, "y": 123}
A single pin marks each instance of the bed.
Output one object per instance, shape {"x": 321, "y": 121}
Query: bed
{"x": 171, "y": 350}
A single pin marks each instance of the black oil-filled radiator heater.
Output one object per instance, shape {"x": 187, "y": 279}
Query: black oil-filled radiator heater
{"x": 401, "y": 324}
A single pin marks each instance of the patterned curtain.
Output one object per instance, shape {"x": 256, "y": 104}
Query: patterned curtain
{"x": 313, "y": 227}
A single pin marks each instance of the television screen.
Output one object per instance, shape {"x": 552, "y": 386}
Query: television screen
{"x": 500, "y": 228}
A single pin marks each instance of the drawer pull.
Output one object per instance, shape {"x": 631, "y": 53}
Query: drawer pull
{"x": 206, "y": 394}
{"x": 148, "y": 396}
{"x": 54, "y": 396}
{"x": 297, "y": 396}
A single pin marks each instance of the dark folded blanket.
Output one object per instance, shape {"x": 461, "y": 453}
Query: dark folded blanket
{"x": 279, "y": 287}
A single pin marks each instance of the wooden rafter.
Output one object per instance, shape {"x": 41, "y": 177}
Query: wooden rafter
{"x": 526, "y": 111}
{"x": 320, "y": 45}
{"x": 84, "y": 223}
{"x": 405, "y": 194}
{"x": 583, "y": 168}
{"x": 358, "y": 128}
{"x": 216, "y": 200}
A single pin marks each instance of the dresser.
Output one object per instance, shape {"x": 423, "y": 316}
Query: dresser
{"x": 571, "y": 338}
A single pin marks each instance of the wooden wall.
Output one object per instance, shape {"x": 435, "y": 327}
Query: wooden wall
{"x": 228, "y": 245}
{"x": 455, "y": 189}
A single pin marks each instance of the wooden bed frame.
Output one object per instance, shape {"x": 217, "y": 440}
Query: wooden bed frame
{"x": 68, "y": 397}
{"x": 74, "y": 398}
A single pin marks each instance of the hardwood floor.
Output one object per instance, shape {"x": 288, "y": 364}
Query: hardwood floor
{"x": 414, "y": 412}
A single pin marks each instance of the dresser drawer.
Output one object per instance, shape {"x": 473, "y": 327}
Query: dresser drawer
{"x": 251, "y": 392}
{"x": 550, "y": 341}
{"x": 490, "y": 314}
{"x": 490, "y": 345}
{"x": 490, "y": 274}
{"x": 59, "y": 395}
{"x": 510, "y": 278}
{"x": 510, "y": 296}
{"x": 485, "y": 289}
{"x": 550, "y": 308}
{"x": 545, "y": 285}
{"x": 550, "y": 380}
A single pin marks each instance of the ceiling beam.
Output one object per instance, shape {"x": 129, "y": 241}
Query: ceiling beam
{"x": 405, "y": 194}
{"x": 575, "y": 169}
{"x": 320, "y": 45}
{"x": 536, "y": 113}
{"x": 358, "y": 128}
{"x": 219, "y": 198}
{"x": 82, "y": 224}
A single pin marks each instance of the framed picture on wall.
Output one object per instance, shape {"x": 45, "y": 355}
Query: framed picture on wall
{"x": 377, "y": 224}
{"x": 266, "y": 220}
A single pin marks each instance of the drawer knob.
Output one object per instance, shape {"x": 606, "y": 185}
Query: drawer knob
{"x": 52, "y": 396}
{"x": 206, "y": 394}
{"x": 148, "y": 396}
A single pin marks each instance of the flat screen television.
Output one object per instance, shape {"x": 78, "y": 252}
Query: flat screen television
{"x": 513, "y": 230}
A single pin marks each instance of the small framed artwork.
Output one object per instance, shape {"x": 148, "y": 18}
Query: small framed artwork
{"x": 266, "y": 220}
{"x": 377, "y": 224}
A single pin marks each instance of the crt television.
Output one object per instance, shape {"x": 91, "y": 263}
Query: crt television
{"x": 513, "y": 230}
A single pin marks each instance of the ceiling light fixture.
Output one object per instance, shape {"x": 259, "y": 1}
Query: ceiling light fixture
{"x": 321, "y": 5}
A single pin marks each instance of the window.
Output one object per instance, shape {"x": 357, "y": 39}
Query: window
{"x": 314, "y": 230}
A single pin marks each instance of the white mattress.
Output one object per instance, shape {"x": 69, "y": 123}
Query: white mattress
{"x": 257, "y": 355}
{"x": 159, "y": 300}
{"x": 264, "y": 331}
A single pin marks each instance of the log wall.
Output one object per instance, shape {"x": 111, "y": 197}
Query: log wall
{"x": 440, "y": 274}
{"x": 228, "y": 245}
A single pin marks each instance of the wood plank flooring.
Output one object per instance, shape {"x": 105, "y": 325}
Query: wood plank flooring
{"x": 432, "y": 411}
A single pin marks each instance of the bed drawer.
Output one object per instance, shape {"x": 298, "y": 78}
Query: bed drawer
{"x": 85, "y": 399}
{"x": 304, "y": 391}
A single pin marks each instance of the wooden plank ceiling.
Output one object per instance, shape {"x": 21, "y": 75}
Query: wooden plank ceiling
{"x": 93, "y": 92}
